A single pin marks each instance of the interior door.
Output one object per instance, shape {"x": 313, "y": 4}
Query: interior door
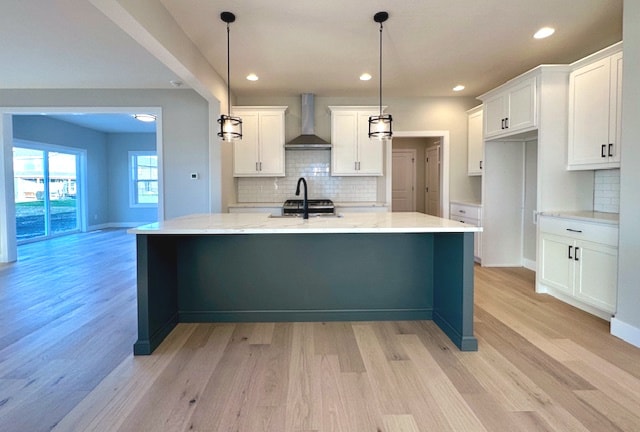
{"x": 403, "y": 180}
{"x": 432, "y": 173}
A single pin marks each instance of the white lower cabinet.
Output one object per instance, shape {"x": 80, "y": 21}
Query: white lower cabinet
{"x": 578, "y": 262}
{"x": 469, "y": 214}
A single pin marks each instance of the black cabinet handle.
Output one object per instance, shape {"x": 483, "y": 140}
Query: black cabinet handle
{"x": 480, "y": 164}
{"x": 610, "y": 148}
{"x": 506, "y": 123}
{"x": 570, "y": 257}
{"x": 502, "y": 126}
{"x": 602, "y": 150}
{"x": 574, "y": 230}
{"x": 575, "y": 256}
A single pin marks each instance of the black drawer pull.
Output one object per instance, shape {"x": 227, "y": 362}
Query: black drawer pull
{"x": 574, "y": 230}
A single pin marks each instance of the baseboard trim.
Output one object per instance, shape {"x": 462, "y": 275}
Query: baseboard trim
{"x": 115, "y": 225}
{"x": 306, "y": 315}
{"x": 529, "y": 264}
{"x": 626, "y": 332}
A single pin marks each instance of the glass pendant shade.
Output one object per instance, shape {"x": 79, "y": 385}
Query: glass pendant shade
{"x": 230, "y": 128}
{"x": 380, "y": 126}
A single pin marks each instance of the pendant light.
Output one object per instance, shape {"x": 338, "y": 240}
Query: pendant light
{"x": 380, "y": 125}
{"x": 230, "y": 127}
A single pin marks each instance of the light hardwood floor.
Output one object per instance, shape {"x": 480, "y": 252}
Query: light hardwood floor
{"x": 68, "y": 322}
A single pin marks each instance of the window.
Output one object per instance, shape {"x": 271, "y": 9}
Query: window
{"x": 143, "y": 189}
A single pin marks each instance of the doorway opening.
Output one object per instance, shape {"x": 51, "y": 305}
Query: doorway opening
{"x": 431, "y": 179}
{"x": 47, "y": 190}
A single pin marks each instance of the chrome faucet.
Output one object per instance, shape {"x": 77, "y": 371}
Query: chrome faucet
{"x": 305, "y": 203}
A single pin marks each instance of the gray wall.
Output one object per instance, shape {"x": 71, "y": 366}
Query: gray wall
{"x": 118, "y": 147}
{"x": 628, "y": 310}
{"x": 185, "y": 135}
{"x": 107, "y": 165}
{"x": 50, "y": 131}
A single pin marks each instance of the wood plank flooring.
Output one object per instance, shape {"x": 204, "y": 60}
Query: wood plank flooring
{"x": 68, "y": 323}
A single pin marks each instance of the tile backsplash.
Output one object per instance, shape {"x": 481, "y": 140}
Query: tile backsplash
{"x": 314, "y": 166}
{"x": 606, "y": 191}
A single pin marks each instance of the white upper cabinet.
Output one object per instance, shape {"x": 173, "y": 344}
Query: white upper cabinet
{"x": 352, "y": 152}
{"x": 595, "y": 96}
{"x": 510, "y": 109}
{"x": 260, "y": 152}
{"x": 475, "y": 141}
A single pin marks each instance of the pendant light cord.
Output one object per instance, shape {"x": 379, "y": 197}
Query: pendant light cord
{"x": 380, "y": 69}
{"x": 228, "y": 75}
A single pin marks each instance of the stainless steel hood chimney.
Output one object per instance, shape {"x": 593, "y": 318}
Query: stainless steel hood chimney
{"x": 308, "y": 140}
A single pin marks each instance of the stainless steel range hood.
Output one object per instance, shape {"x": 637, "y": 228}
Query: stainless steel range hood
{"x": 308, "y": 140}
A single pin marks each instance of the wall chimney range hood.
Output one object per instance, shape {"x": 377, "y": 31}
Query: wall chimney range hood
{"x": 308, "y": 140}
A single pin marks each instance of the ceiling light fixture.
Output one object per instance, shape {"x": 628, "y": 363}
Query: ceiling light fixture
{"x": 230, "y": 127}
{"x": 147, "y": 118}
{"x": 252, "y": 77}
{"x": 544, "y": 32}
{"x": 365, "y": 77}
{"x": 458, "y": 88}
{"x": 380, "y": 125}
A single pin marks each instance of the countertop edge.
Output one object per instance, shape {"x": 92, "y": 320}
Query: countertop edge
{"x": 586, "y": 216}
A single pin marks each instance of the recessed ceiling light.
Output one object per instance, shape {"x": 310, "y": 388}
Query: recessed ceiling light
{"x": 252, "y": 77}
{"x": 544, "y": 32}
{"x": 459, "y": 87}
{"x": 365, "y": 77}
{"x": 147, "y": 118}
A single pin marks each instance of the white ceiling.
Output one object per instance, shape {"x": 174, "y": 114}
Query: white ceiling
{"x": 305, "y": 46}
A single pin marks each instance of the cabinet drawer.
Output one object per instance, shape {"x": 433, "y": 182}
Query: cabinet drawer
{"x": 467, "y": 211}
{"x": 466, "y": 220}
{"x": 580, "y": 230}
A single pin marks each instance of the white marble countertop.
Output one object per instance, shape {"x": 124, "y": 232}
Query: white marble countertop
{"x": 588, "y": 216}
{"x": 260, "y": 223}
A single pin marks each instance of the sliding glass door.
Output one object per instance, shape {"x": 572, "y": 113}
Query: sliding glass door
{"x": 45, "y": 192}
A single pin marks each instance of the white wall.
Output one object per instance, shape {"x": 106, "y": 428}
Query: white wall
{"x": 626, "y": 323}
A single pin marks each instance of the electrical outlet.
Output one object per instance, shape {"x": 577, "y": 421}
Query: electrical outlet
{"x": 194, "y": 176}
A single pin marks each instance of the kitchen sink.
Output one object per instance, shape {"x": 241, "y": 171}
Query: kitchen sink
{"x": 311, "y": 216}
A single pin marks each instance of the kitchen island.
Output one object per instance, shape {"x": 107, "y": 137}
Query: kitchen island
{"x": 250, "y": 267}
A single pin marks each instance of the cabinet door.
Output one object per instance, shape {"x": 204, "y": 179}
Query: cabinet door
{"x": 556, "y": 269}
{"x": 495, "y": 111}
{"x": 522, "y": 106}
{"x": 596, "y": 274}
{"x": 344, "y": 142}
{"x": 475, "y": 143}
{"x": 245, "y": 151}
{"x": 615, "y": 110}
{"x": 271, "y": 162}
{"x": 369, "y": 151}
{"x": 589, "y": 109}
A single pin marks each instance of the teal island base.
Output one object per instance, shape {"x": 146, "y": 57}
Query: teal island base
{"x": 304, "y": 277}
